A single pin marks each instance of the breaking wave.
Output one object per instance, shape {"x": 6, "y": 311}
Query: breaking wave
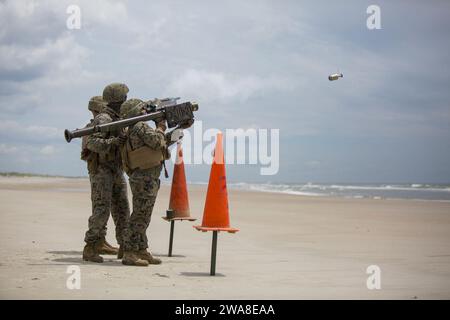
{"x": 414, "y": 191}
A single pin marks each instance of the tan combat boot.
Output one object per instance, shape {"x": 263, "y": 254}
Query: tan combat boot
{"x": 91, "y": 254}
{"x": 130, "y": 258}
{"x": 111, "y": 246}
{"x": 145, "y": 255}
{"x": 104, "y": 247}
{"x": 120, "y": 253}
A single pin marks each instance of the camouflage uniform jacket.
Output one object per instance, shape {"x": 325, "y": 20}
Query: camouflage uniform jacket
{"x": 87, "y": 155}
{"x": 102, "y": 143}
{"x": 141, "y": 134}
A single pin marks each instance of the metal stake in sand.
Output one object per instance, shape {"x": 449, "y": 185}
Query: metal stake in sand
{"x": 215, "y": 214}
{"x": 172, "y": 226}
{"x": 213, "y": 253}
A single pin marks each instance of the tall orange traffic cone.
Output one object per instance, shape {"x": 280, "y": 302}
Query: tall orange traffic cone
{"x": 179, "y": 201}
{"x": 215, "y": 215}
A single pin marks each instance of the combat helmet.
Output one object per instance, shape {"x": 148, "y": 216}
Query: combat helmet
{"x": 115, "y": 92}
{"x": 96, "y": 104}
{"x": 131, "y": 108}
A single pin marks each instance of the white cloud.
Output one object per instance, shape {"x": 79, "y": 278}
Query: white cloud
{"x": 13, "y": 128}
{"x": 47, "y": 150}
{"x": 221, "y": 87}
{"x": 37, "y": 54}
{"x": 104, "y": 12}
{"x": 37, "y": 51}
{"x": 7, "y": 150}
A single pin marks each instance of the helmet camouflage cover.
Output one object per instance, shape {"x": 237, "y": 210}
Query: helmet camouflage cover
{"x": 96, "y": 104}
{"x": 115, "y": 92}
{"x": 131, "y": 108}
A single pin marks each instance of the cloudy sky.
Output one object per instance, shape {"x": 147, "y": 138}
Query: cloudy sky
{"x": 253, "y": 64}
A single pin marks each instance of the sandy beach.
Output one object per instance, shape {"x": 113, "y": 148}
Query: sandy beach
{"x": 288, "y": 247}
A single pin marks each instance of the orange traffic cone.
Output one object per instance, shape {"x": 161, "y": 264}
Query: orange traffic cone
{"x": 179, "y": 201}
{"x": 215, "y": 215}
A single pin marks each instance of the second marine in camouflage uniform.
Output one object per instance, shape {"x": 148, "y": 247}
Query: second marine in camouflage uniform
{"x": 108, "y": 185}
{"x": 96, "y": 105}
{"x": 143, "y": 156}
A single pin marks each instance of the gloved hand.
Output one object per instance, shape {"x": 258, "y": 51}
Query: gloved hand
{"x": 161, "y": 125}
{"x": 176, "y": 135}
{"x": 118, "y": 141}
{"x": 122, "y": 139}
{"x": 187, "y": 124}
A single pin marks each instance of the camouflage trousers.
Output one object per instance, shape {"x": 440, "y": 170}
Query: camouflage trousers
{"x": 144, "y": 186}
{"x": 108, "y": 195}
{"x": 104, "y": 230}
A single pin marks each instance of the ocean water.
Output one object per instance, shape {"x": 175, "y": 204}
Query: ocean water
{"x": 413, "y": 191}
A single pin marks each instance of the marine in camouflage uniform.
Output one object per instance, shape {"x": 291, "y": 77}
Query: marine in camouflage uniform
{"x": 96, "y": 105}
{"x": 108, "y": 185}
{"x": 143, "y": 171}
